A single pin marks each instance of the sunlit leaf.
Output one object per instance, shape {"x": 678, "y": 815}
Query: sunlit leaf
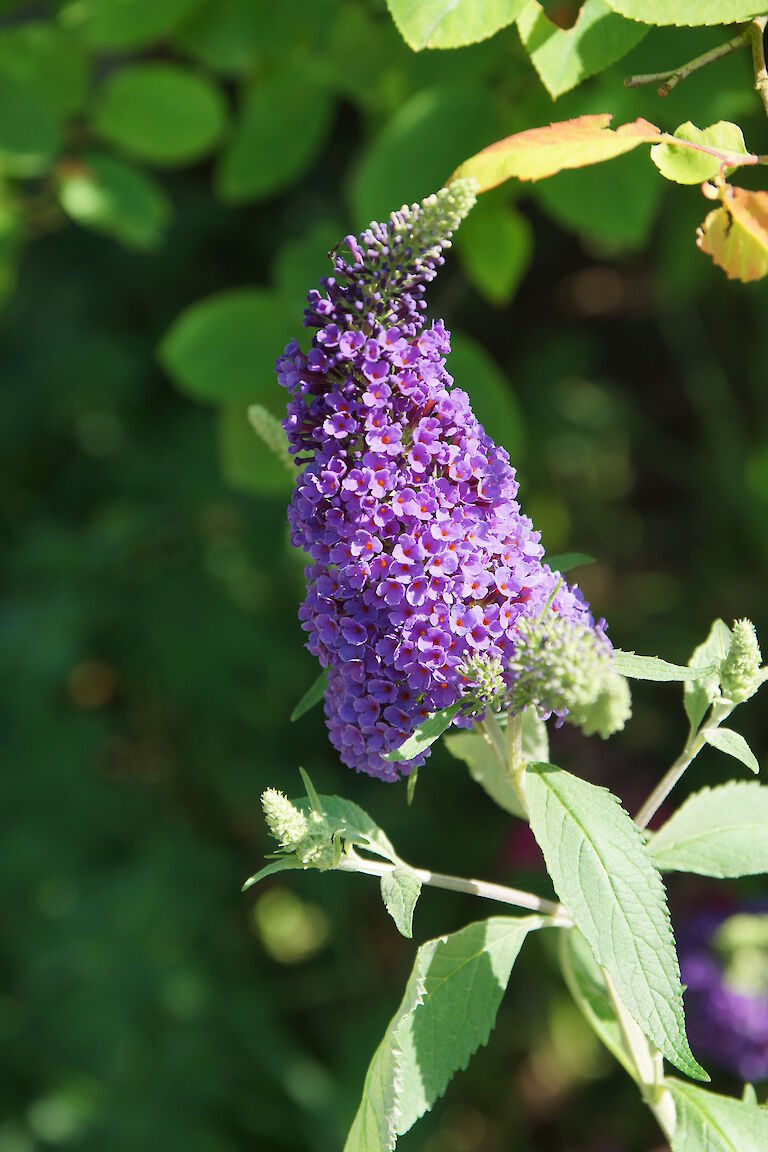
{"x": 451, "y": 23}
{"x": 735, "y": 235}
{"x": 688, "y": 12}
{"x": 689, "y": 166}
{"x": 540, "y": 152}
{"x": 107, "y": 195}
{"x": 563, "y": 57}
{"x": 484, "y": 768}
{"x": 654, "y": 668}
{"x": 733, "y": 744}
{"x": 606, "y": 878}
{"x": 707, "y": 1122}
{"x": 699, "y": 694}
{"x": 425, "y": 734}
{"x": 720, "y": 832}
{"x": 400, "y": 889}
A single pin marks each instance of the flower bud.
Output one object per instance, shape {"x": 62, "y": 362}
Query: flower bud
{"x": 567, "y": 669}
{"x": 485, "y": 679}
{"x": 286, "y": 823}
{"x": 739, "y": 672}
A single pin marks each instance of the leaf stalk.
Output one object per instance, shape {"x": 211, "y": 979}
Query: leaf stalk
{"x": 669, "y": 80}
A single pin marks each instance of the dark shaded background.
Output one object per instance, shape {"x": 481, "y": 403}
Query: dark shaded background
{"x": 150, "y": 652}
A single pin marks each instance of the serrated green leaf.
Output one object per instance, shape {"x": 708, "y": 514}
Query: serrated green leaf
{"x": 587, "y": 986}
{"x": 563, "y": 57}
{"x": 107, "y": 195}
{"x": 686, "y": 165}
{"x": 313, "y": 695}
{"x": 733, "y": 744}
{"x": 289, "y": 106}
{"x": 495, "y": 245}
{"x": 448, "y": 1011}
{"x": 721, "y": 832}
{"x": 565, "y": 561}
{"x": 284, "y": 864}
{"x": 121, "y": 24}
{"x": 162, "y": 114}
{"x": 451, "y": 23}
{"x": 707, "y": 1122}
{"x": 687, "y": 13}
{"x": 353, "y": 825}
{"x": 606, "y": 878}
{"x": 400, "y": 889}
{"x": 425, "y": 734}
{"x": 653, "y": 668}
{"x": 699, "y": 694}
{"x": 223, "y": 348}
{"x": 484, "y": 768}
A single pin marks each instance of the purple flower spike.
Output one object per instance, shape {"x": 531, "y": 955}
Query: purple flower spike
{"x": 421, "y": 556}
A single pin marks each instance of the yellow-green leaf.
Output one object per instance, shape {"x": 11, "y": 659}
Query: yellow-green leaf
{"x": 735, "y": 235}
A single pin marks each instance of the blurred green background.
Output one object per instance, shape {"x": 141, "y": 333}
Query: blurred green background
{"x": 156, "y": 153}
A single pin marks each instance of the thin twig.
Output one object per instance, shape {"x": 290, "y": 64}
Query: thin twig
{"x": 351, "y": 862}
{"x": 694, "y": 744}
{"x": 757, "y": 40}
{"x": 669, "y": 80}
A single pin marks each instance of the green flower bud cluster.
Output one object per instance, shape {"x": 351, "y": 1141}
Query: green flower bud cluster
{"x": 567, "y": 669}
{"x": 740, "y": 671}
{"x": 307, "y": 837}
{"x": 485, "y": 677}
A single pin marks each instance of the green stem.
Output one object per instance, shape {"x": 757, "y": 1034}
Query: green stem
{"x": 495, "y": 737}
{"x": 669, "y": 80}
{"x": 502, "y": 894}
{"x": 695, "y": 742}
{"x": 516, "y": 765}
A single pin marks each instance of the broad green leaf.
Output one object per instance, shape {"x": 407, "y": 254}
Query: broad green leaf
{"x": 735, "y": 235}
{"x": 160, "y": 113}
{"x": 484, "y": 768}
{"x": 540, "y": 152}
{"x": 224, "y": 347}
{"x": 226, "y": 36}
{"x": 451, "y": 23}
{"x": 699, "y": 694}
{"x": 495, "y": 245}
{"x": 247, "y": 463}
{"x": 733, "y": 744}
{"x": 606, "y": 878}
{"x": 721, "y": 832}
{"x": 425, "y": 734}
{"x": 40, "y": 56}
{"x": 688, "y": 166}
{"x": 587, "y": 986}
{"x": 121, "y": 24}
{"x": 353, "y": 825}
{"x": 313, "y": 695}
{"x": 413, "y": 154}
{"x": 535, "y": 744}
{"x": 279, "y": 131}
{"x": 447, "y": 1013}
{"x": 563, "y": 57}
{"x": 707, "y": 1122}
{"x": 283, "y": 864}
{"x": 107, "y": 195}
{"x": 687, "y": 12}
{"x": 29, "y": 130}
{"x": 653, "y": 668}
{"x": 614, "y": 211}
{"x": 565, "y": 561}
{"x": 400, "y": 889}
{"x": 492, "y": 395}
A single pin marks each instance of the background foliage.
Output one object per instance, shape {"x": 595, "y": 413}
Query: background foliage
{"x": 159, "y": 154}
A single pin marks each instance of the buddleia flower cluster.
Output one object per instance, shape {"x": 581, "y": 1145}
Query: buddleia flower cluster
{"x": 421, "y": 558}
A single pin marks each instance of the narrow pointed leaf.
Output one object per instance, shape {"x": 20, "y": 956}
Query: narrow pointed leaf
{"x": 313, "y": 695}
{"x": 427, "y": 732}
{"x": 733, "y": 744}
{"x": 720, "y": 832}
{"x": 565, "y": 561}
{"x": 400, "y": 889}
{"x": 284, "y": 864}
{"x": 540, "y": 152}
{"x": 447, "y": 1013}
{"x": 653, "y": 668}
{"x": 606, "y": 878}
{"x": 699, "y": 694}
{"x": 707, "y": 1122}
